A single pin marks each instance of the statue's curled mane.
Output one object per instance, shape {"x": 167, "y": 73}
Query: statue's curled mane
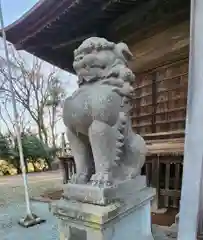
{"x": 104, "y": 61}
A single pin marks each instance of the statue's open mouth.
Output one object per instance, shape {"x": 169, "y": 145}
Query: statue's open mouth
{"x": 90, "y": 73}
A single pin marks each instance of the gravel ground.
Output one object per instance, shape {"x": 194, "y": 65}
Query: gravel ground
{"x": 10, "y": 230}
{"x": 11, "y": 194}
{"x": 12, "y": 208}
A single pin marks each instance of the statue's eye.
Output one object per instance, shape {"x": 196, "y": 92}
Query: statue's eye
{"x": 88, "y": 50}
{"x": 78, "y": 58}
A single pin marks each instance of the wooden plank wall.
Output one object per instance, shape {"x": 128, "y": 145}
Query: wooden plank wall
{"x": 159, "y": 108}
{"x": 160, "y": 98}
{"x": 161, "y": 68}
{"x": 162, "y": 48}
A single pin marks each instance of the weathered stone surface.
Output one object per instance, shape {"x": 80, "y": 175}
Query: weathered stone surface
{"x": 97, "y": 118}
{"x": 123, "y": 219}
{"x": 106, "y": 199}
{"x": 104, "y": 195}
{"x": 77, "y": 234}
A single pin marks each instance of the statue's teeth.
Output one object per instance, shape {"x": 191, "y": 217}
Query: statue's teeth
{"x": 118, "y": 152}
{"x": 120, "y": 137}
{"x": 119, "y": 144}
{"x": 120, "y": 128}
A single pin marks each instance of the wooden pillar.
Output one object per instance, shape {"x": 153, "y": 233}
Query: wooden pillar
{"x": 193, "y": 153}
{"x": 154, "y": 101}
{"x": 63, "y": 145}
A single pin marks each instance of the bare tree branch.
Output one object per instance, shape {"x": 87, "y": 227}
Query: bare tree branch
{"x": 36, "y": 92}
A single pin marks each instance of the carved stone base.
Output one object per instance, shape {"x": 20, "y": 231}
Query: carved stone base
{"x": 128, "y": 218}
{"x": 103, "y": 195}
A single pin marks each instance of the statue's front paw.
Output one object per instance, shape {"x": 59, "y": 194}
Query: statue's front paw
{"x": 102, "y": 179}
{"x": 80, "y": 178}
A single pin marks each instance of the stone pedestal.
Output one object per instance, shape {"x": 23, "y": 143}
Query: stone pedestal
{"x": 127, "y": 218}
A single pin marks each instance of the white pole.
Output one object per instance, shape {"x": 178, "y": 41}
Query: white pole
{"x": 15, "y": 113}
{"x": 193, "y": 152}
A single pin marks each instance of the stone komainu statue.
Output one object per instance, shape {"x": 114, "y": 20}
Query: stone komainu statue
{"x": 104, "y": 146}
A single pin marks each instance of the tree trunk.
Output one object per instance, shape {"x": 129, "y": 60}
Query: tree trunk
{"x": 16, "y": 164}
{"x": 53, "y": 126}
{"x": 26, "y": 165}
{"x": 49, "y": 164}
{"x": 18, "y": 167}
{"x": 42, "y": 133}
{"x": 45, "y": 134}
{"x": 34, "y": 167}
{"x": 19, "y": 171}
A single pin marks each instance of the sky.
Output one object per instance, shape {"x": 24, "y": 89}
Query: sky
{"x": 12, "y": 11}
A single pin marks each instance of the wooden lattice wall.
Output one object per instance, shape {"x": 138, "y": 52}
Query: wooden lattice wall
{"x": 160, "y": 97}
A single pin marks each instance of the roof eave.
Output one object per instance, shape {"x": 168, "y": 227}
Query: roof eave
{"x": 26, "y": 15}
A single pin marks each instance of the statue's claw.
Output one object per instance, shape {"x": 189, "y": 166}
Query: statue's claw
{"x": 81, "y": 178}
{"x": 102, "y": 179}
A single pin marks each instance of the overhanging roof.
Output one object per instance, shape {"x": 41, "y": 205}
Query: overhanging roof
{"x": 52, "y": 29}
